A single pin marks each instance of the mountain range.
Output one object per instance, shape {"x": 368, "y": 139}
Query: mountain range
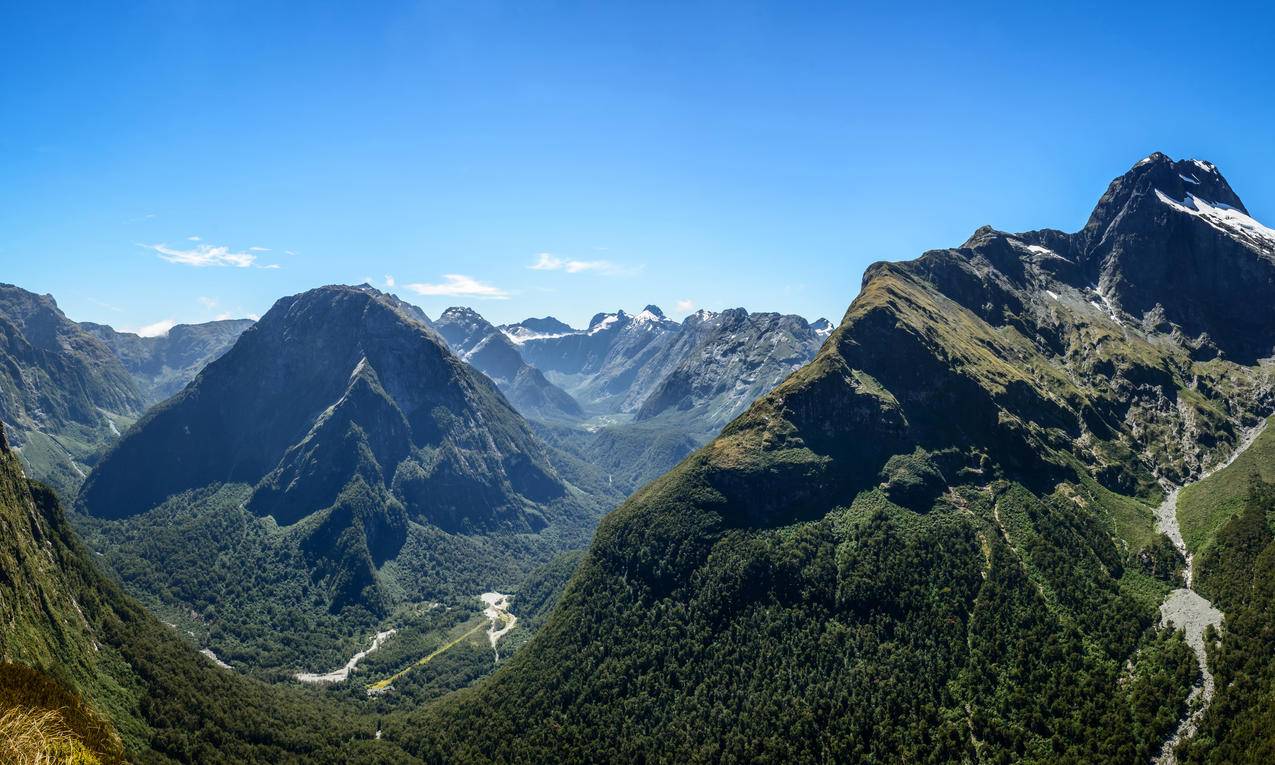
{"x": 480, "y": 344}
{"x": 163, "y": 365}
{"x": 1016, "y": 507}
{"x": 347, "y": 457}
{"x": 938, "y": 540}
{"x": 705, "y": 370}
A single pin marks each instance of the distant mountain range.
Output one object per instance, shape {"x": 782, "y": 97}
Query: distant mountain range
{"x": 480, "y": 344}
{"x": 705, "y": 369}
{"x": 161, "y": 366}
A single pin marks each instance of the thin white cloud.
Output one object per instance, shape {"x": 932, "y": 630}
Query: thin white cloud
{"x": 459, "y": 285}
{"x": 686, "y": 305}
{"x": 270, "y": 266}
{"x": 107, "y": 306}
{"x": 547, "y": 261}
{"x": 254, "y": 248}
{"x": 253, "y": 316}
{"x": 223, "y": 316}
{"x": 207, "y": 302}
{"x": 203, "y": 256}
{"x": 389, "y": 280}
{"x": 158, "y": 329}
{"x": 194, "y": 239}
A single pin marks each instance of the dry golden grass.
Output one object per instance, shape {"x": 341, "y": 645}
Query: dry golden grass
{"x": 40, "y": 737}
{"x": 42, "y": 722}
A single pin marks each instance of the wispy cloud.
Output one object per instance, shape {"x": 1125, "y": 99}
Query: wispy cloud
{"x": 107, "y": 306}
{"x": 459, "y": 285}
{"x": 158, "y": 329}
{"x": 203, "y": 256}
{"x": 685, "y": 305}
{"x": 547, "y": 261}
{"x": 207, "y": 302}
{"x": 223, "y": 316}
{"x": 389, "y": 280}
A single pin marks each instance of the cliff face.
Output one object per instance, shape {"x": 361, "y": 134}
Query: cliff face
{"x": 63, "y": 394}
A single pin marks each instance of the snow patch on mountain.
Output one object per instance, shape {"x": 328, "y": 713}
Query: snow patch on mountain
{"x": 1226, "y": 219}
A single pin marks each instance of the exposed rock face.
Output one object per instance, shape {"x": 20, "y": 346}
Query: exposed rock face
{"x": 478, "y": 342}
{"x": 60, "y": 388}
{"x": 1172, "y": 245}
{"x": 702, "y": 372}
{"x": 163, "y": 365}
{"x": 728, "y": 359}
{"x": 610, "y": 365}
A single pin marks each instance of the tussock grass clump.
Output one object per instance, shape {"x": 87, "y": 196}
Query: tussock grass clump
{"x": 43, "y": 723}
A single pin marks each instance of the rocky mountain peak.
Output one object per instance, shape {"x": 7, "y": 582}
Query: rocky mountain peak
{"x": 1133, "y": 196}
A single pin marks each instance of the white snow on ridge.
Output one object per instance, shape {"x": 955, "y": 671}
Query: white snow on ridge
{"x": 605, "y": 323}
{"x": 1052, "y": 294}
{"x": 1189, "y": 179}
{"x": 1226, "y": 219}
{"x": 520, "y": 335}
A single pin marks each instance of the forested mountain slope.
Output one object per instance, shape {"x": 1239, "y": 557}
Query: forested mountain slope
{"x": 128, "y": 687}
{"x": 935, "y": 542}
{"x": 337, "y": 463}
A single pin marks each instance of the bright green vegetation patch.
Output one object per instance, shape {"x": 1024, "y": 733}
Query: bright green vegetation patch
{"x": 1237, "y": 571}
{"x": 1204, "y": 507}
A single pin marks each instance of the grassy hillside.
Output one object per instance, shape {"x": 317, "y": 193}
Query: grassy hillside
{"x": 1205, "y": 507}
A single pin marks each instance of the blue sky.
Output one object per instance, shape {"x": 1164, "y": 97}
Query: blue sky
{"x": 683, "y": 154}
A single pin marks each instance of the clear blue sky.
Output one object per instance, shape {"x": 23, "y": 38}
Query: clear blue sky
{"x": 721, "y": 154}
